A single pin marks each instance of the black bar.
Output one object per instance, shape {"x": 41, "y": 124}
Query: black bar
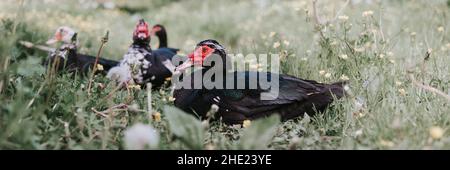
{"x": 234, "y": 159}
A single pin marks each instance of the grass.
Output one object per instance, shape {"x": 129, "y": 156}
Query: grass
{"x": 386, "y": 110}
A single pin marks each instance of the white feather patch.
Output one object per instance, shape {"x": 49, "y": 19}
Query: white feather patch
{"x": 132, "y": 67}
{"x": 121, "y": 74}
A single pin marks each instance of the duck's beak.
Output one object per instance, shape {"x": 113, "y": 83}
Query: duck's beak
{"x": 51, "y": 41}
{"x": 181, "y": 68}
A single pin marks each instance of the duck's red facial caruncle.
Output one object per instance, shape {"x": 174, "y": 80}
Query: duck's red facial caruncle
{"x": 63, "y": 34}
{"x": 200, "y": 53}
{"x": 196, "y": 58}
{"x": 58, "y": 35}
{"x": 141, "y": 31}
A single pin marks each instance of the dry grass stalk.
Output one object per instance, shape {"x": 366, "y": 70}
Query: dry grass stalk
{"x": 422, "y": 85}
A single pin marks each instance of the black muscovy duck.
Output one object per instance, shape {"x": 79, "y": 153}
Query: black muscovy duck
{"x": 141, "y": 64}
{"x": 67, "y": 58}
{"x": 159, "y": 31}
{"x": 295, "y": 96}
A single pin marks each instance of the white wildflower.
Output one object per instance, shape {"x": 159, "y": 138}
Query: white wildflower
{"x": 343, "y": 56}
{"x": 100, "y": 67}
{"x": 390, "y": 54}
{"x": 386, "y": 143}
{"x": 343, "y": 17}
{"x": 402, "y": 92}
{"x": 344, "y": 77}
{"x": 358, "y": 133}
{"x": 246, "y": 123}
{"x": 436, "y": 132}
{"x": 322, "y": 72}
{"x": 141, "y": 136}
{"x": 271, "y": 34}
{"x": 367, "y": 13}
{"x": 276, "y": 44}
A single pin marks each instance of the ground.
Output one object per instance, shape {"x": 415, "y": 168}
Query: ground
{"x": 386, "y": 49}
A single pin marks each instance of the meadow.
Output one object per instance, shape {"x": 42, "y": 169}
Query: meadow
{"x": 394, "y": 53}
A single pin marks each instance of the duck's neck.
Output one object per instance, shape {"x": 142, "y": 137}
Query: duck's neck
{"x": 72, "y": 55}
{"x": 141, "y": 45}
{"x": 69, "y": 51}
{"x": 141, "y": 42}
{"x": 162, "y": 36}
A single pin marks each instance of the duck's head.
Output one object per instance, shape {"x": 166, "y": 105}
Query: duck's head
{"x": 63, "y": 34}
{"x": 157, "y": 29}
{"x": 141, "y": 33}
{"x": 204, "y": 50}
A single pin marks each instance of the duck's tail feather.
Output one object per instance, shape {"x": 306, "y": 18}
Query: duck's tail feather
{"x": 338, "y": 89}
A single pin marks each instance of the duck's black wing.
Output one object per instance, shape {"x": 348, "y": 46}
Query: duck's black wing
{"x": 76, "y": 62}
{"x": 166, "y": 53}
{"x": 169, "y": 49}
{"x": 88, "y": 60}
